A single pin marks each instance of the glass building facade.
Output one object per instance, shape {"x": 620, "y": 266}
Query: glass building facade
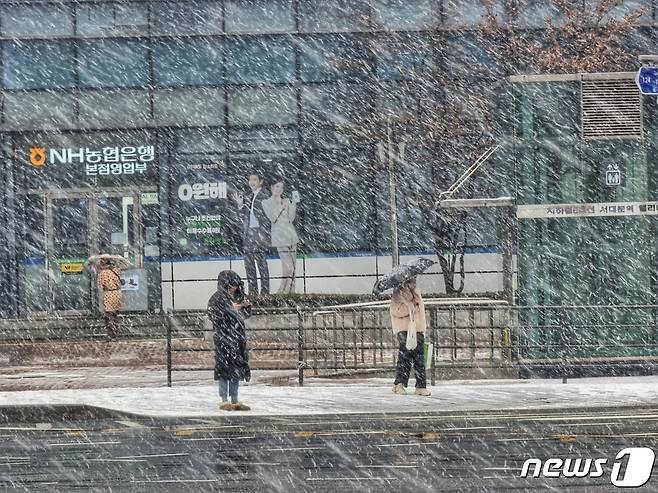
{"x": 601, "y": 267}
{"x": 128, "y": 125}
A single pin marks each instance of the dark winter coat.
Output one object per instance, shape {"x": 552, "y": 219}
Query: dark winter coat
{"x": 229, "y": 336}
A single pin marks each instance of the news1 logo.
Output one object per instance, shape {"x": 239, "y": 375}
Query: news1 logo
{"x": 631, "y": 469}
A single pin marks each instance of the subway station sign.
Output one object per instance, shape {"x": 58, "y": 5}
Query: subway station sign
{"x": 601, "y": 209}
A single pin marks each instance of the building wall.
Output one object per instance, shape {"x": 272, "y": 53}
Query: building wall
{"x": 601, "y": 269}
{"x": 278, "y": 85}
{"x": 187, "y": 285}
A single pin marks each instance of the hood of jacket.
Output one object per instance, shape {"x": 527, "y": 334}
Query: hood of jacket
{"x": 226, "y": 279}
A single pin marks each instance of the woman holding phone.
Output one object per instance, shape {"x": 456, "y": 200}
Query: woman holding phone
{"x": 282, "y": 212}
{"x": 228, "y": 309}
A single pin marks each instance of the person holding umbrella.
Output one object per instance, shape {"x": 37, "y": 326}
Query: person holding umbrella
{"x": 110, "y": 281}
{"x": 409, "y": 325}
{"x": 408, "y": 322}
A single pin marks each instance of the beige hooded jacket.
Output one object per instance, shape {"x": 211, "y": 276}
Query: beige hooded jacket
{"x": 404, "y": 303}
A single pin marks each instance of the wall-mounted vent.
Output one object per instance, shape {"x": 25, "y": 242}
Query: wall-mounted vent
{"x": 610, "y": 108}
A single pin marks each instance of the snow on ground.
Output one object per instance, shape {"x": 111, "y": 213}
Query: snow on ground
{"x": 363, "y": 396}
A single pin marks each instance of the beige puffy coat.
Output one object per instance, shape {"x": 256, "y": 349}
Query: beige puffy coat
{"x": 403, "y": 303}
{"x": 109, "y": 280}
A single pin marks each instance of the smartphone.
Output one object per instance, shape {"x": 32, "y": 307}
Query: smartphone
{"x": 295, "y": 197}
{"x": 240, "y": 295}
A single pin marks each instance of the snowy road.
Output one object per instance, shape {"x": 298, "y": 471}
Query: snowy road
{"x": 475, "y": 451}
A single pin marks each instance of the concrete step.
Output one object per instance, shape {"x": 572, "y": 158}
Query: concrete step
{"x": 77, "y": 327}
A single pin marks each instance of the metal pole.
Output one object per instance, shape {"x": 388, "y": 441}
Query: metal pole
{"x": 434, "y": 318}
{"x": 507, "y": 247}
{"x": 300, "y": 346}
{"x": 562, "y": 327}
{"x": 395, "y": 253}
{"x": 167, "y": 314}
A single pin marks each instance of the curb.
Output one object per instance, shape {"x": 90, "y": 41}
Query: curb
{"x": 47, "y": 414}
{"x": 58, "y": 412}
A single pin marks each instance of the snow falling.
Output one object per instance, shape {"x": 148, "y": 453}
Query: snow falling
{"x": 328, "y": 245}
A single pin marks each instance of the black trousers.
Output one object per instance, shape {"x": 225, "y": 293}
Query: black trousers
{"x": 251, "y": 260}
{"x": 408, "y": 358}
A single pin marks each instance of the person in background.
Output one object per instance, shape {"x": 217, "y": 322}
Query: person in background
{"x": 282, "y": 212}
{"x": 256, "y": 234}
{"x": 110, "y": 281}
{"x": 227, "y": 309}
{"x": 409, "y": 325}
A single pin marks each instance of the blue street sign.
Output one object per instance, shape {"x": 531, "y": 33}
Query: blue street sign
{"x": 647, "y": 80}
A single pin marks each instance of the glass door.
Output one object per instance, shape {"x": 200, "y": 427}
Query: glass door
{"x": 116, "y": 227}
{"x": 118, "y": 230}
{"x": 79, "y": 225}
{"x": 68, "y": 249}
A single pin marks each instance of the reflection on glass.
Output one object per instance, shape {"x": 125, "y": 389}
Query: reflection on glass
{"x": 71, "y": 289}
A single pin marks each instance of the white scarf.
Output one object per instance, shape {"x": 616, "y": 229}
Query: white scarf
{"x": 412, "y": 336}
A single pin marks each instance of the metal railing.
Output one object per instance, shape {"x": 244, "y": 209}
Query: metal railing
{"x": 466, "y": 334}
{"x": 353, "y": 339}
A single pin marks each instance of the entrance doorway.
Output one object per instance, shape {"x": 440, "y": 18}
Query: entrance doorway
{"x": 79, "y": 224}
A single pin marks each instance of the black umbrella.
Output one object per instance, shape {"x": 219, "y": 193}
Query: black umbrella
{"x": 400, "y": 274}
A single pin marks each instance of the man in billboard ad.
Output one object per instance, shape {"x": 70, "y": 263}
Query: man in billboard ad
{"x": 256, "y": 231}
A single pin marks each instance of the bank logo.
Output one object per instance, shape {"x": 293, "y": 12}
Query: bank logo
{"x": 631, "y": 469}
{"x": 37, "y": 156}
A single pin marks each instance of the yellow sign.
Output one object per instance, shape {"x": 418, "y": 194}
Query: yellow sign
{"x": 71, "y": 268}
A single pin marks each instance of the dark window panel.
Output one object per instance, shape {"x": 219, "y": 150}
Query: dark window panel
{"x": 469, "y": 14}
{"x": 327, "y": 58}
{"x": 115, "y": 108}
{"x": 179, "y": 18}
{"x": 38, "y": 64}
{"x": 197, "y": 106}
{"x": 535, "y": 13}
{"x": 334, "y": 104}
{"x": 339, "y": 196}
{"x": 200, "y": 141}
{"x": 398, "y": 101}
{"x": 333, "y": 15}
{"x": 255, "y": 60}
{"x": 262, "y": 139}
{"x": 403, "y": 57}
{"x": 262, "y": 106}
{"x": 113, "y": 63}
{"x": 110, "y": 19}
{"x": 48, "y": 20}
{"x": 254, "y": 16}
{"x": 39, "y": 109}
{"x": 466, "y": 57}
{"x": 179, "y": 62}
{"x": 406, "y": 14}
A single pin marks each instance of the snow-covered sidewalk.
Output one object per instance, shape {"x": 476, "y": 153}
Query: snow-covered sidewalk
{"x": 363, "y": 396}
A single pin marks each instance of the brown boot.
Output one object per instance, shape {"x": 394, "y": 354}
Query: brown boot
{"x": 226, "y": 406}
{"x": 241, "y": 407}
